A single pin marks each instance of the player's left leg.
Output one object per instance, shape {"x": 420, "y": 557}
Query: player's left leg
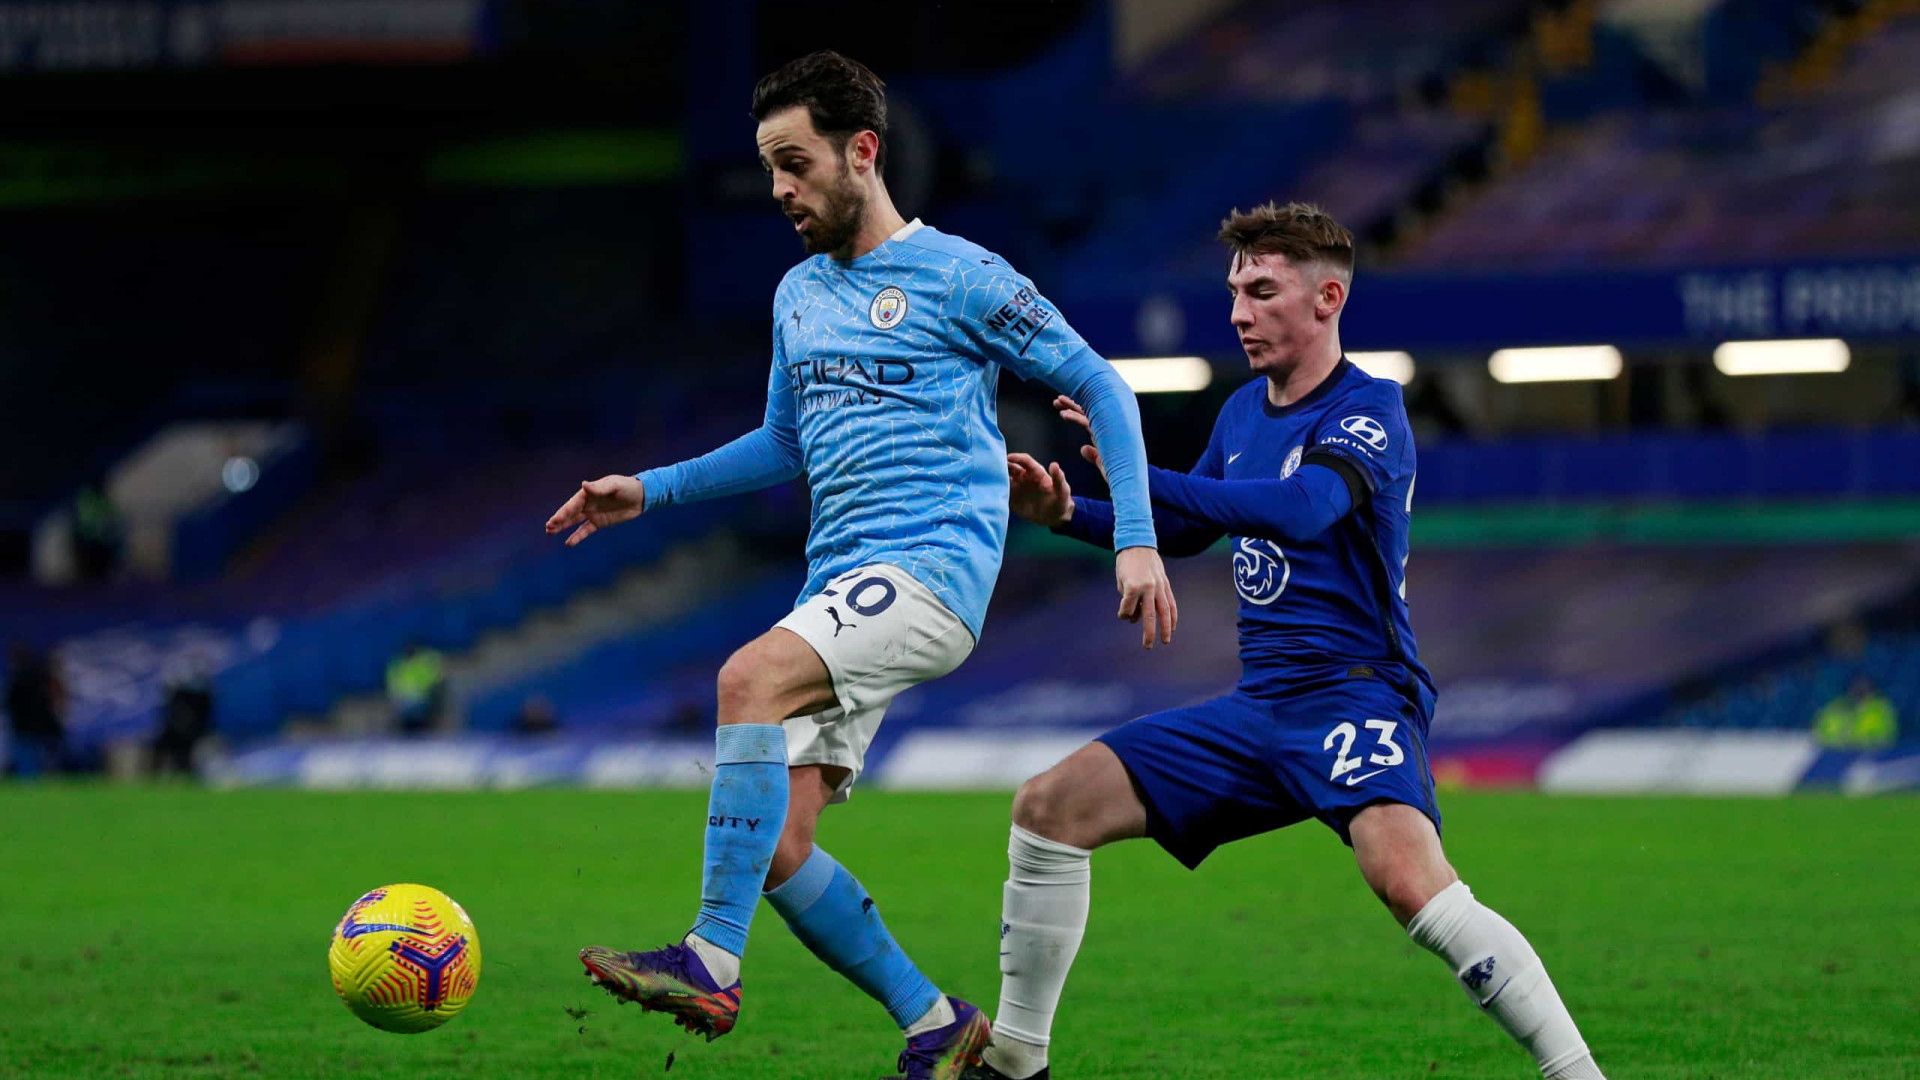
{"x": 1400, "y": 856}
{"x": 833, "y": 915}
{"x": 1191, "y": 778}
{"x": 878, "y": 631}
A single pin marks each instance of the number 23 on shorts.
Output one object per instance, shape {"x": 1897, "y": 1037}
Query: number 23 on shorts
{"x": 1386, "y": 754}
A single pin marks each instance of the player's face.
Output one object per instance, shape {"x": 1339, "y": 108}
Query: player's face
{"x": 812, "y": 181}
{"x": 1277, "y": 310}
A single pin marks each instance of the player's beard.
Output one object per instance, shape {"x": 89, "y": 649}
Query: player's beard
{"x": 843, "y": 207}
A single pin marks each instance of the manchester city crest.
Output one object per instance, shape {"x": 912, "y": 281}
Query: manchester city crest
{"x": 888, "y": 308}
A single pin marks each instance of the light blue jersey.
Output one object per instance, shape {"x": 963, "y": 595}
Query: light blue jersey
{"x": 885, "y": 369}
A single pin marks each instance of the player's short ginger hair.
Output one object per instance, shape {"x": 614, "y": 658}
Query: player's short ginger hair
{"x": 841, "y": 95}
{"x": 1302, "y": 232}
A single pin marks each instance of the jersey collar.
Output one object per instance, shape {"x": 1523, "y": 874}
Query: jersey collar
{"x": 869, "y": 258}
{"x": 1326, "y": 386}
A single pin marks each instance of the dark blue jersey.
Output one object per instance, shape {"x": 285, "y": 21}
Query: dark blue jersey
{"x": 1316, "y": 497}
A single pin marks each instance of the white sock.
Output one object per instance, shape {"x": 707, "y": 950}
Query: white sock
{"x": 1580, "y": 1068}
{"x": 1044, "y": 916}
{"x": 1503, "y": 975}
{"x": 939, "y": 1016}
{"x": 721, "y": 964}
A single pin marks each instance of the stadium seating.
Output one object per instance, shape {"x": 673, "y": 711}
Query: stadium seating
{"x": 1691, "y": 185}
{"x": 1788, "y": 694}
{"x": 1368, "y": 52}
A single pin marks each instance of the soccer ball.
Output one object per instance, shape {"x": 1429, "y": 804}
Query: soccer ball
{"x": 405, "y": 958}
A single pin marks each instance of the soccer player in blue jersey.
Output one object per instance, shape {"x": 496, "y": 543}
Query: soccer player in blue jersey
{"x": 1310, "y": 474}
{"x": 887, "y": 349}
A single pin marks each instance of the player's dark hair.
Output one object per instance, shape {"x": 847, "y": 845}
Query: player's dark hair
{"x": 842, "y": 96}
{"x": 1302, "y": 232}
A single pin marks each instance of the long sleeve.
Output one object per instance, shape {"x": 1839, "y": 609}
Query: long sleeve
{"x": 1298, "y": 508}
{"x": 1179, "y": 536}
{"x": 1115, "y": 415}
{"x": 1017, "y": 328}
{"x": 767, "y": 455}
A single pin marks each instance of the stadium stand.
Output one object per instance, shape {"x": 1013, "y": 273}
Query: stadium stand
{"x": 1815, "y": 173}
{"x": 521, "y": 334}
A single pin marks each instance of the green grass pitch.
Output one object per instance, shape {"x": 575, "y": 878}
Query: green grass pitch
{"x": 182, "y": 933}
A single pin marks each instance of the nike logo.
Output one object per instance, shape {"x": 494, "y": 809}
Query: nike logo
{"x": 1352, "y": 780}
{"x": 1235, "y": 457}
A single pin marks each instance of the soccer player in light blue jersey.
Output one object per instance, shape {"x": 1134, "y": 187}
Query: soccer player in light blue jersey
{"x": 887, "y": 349}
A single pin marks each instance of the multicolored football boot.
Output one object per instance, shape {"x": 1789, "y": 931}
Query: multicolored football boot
{"x": 671, "y": 980}
{"x": 943, "y": 1053}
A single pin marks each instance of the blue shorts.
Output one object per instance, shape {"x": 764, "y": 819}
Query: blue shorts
{"x": 1247, "y": 763}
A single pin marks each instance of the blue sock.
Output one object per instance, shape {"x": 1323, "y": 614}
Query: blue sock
{"x": 833, "y": 916}
{"x": 745, "y": 813}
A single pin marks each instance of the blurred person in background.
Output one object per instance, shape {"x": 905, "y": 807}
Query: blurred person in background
{"x": 1860, "y": 719}
{"x": 536, "y": 717}
{"x": 36, "y": 702}
{"x": 416, "y": 688}
{"x": 186, "y": 721}
{"x": 98, "y": 532}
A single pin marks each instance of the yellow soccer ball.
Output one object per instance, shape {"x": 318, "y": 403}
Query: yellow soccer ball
{"x": 405, "y": 958}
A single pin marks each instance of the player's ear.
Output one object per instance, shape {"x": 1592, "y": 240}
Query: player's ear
{"x": 862, "y": 150}
{"x": 1333, "y": 297}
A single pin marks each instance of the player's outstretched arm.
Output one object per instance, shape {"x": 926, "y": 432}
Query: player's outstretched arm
{"x": 1043, "y": 497}
{"x": 1300, "y": 507}
{"x": 609, "y": 500}
{"x": 1146, "y": 597}
{"x": 1015, "y": 326}
{"x": 767, "y": 455}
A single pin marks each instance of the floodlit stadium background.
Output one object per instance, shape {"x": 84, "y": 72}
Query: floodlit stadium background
{"x": 312, "y": 313}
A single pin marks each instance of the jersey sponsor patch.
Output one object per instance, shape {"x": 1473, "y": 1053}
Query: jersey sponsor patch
{"x": 1022, "y": 317}
{"x": 1367, "y": 430}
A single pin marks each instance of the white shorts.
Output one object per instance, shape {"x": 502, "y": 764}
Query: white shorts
{"x": 879, "y": 631}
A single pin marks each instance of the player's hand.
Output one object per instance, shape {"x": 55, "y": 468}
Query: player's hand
{"x": 609, "y": 500}
{"x": 1072, "y": 413}
{"x": 1036, "y": 494}
{"x": 1146, "y": 597}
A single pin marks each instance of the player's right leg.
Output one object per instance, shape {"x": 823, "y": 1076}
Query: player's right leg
{"x": 1354, "y": 750}
{"x": 1400, "y": 856}
{"x": 697, "y": 981}
{"x": 1190, "y": 778}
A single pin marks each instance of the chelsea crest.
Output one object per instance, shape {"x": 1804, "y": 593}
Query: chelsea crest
{"x": 888, "y": 308}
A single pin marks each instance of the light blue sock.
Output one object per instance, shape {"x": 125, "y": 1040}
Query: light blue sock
{"x": 745, "y": 813}
{"x": 833, "y": 916}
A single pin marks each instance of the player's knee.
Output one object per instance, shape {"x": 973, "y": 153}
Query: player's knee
{"x": 738, "y": 687}
{"x": 1043, "y": 807}
{"x": 1405, "y": 887}
{"x": 1405, "y": 896}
